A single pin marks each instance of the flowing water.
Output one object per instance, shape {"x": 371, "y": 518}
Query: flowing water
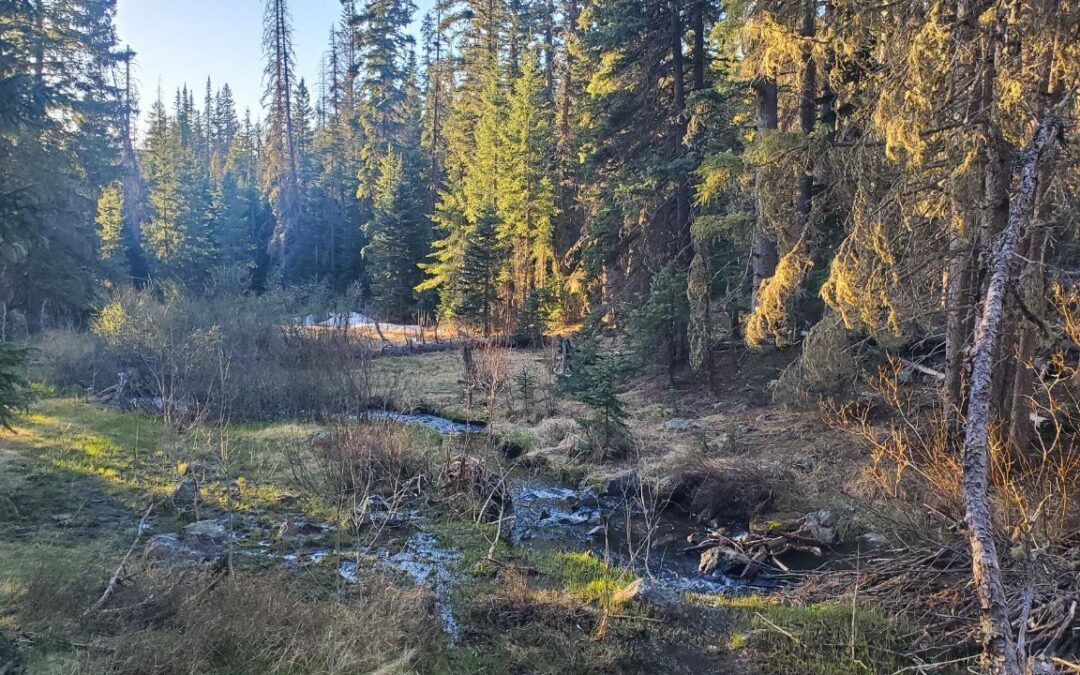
{"x": 545, "y": 515}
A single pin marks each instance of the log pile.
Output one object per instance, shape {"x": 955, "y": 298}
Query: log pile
{"x": 748, "y": 555}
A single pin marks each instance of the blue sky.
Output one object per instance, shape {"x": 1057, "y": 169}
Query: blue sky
{"x": 180, "y": 41}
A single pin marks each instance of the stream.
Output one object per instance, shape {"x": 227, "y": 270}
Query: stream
{"x": 546, "y": 515}
{"x": 549, "y": 515}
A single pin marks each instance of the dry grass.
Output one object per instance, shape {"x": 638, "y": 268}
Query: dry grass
{"x": 262, "y": 624}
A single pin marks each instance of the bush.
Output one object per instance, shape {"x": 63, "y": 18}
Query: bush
{"x": 227, "y": 354}
{"x": 594, "y": 379}
{"x": 69, "y": 358}
{"x": 14, "y": 388}
{"x": 658, "y": 328}
{"x": 372, "y": 457}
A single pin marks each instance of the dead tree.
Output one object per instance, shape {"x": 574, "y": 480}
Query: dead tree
{"x": 999, "y": 645}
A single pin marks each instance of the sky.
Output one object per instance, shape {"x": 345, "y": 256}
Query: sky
{"x": 184, "y": 41}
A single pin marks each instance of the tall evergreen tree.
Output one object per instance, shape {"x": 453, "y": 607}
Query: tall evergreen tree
{"x": 396, "y": 240}
{"x": 527, "y": 195}
{"x": 477, "y": 290}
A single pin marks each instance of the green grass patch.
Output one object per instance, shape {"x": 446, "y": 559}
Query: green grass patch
{"x": 823, "y": 638}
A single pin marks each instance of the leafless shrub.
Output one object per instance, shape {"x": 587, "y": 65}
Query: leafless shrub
{"x": 915, "y": 472}
{"x": 70, "y": 358}
{"x": 354, "y": 461}
{"x": 485, "y": 370}
{"x": 174, "y": 348}
{"x": 912, "y": 462}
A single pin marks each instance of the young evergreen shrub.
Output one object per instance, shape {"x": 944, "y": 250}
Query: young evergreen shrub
{"x": 658, "y": 329}
{"x": 477, "y": 286}
{"x": 529, "y": 329}
{"x": 594, "y": 379}
{"x": 14, "y": 389}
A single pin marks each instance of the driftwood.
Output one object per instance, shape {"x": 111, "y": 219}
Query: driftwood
{"x": 748, "y": 555}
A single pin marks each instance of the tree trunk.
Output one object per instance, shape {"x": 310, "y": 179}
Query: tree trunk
{"x": 699, "y": 44}
{"x": 998, "y": 643}
{"x": 763, "y": 254}
{"x": 681, "y": 240}
{"x": 807, "y": 116}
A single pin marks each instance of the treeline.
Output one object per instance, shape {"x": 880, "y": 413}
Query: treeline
{"x": 589, "y": 154}
{"x": 692, "y": 169}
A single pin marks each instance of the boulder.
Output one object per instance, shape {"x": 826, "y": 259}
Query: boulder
{"x": 623, "y": 484}
{"x": 374, "y": 511}
{"x": 299, "y": 530}
{"x": 871, "y": 541}
{"x": 649, "y": 594}
{"x": 206, "y": 532}
{"x": 185, "y": 495}
{"x": 678, "y": 424}
{"x": 821, "y": 525}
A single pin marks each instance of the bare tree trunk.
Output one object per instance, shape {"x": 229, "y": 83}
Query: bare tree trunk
{"x": 763, "y": 254}
{"x": 998, "y": 643}
{"x": 681, "y": 240}
{"x": 807, "y": 115}
{"x": 1030, "y": 289}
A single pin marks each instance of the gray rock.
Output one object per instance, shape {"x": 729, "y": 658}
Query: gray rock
{"x": 664, "y": 600}
{"x": 185, "y": 496}
{"x": 870, "y": 541}
{"x": 63, "y": 519}
{"x": 678, "y": 424}
{"x": 206, "y": 532}
{"x": 621, "y": 484}
{"x": 822, "y": 526}
{"x": 374, "y": 511}
{"x": 300, "y": 530}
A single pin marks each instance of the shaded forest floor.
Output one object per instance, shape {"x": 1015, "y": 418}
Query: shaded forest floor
{"x": 75, "y": 479}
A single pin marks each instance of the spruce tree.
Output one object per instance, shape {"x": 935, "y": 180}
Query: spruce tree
{"x": 527, "y": 195}
{"x": 477, "y": 287}
{"x": 395, "y": 239}
{"x": 15, "y": 393}
{"x": 110, "y": 223}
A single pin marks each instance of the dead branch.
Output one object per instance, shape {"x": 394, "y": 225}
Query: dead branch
{"x": 114, "y": 581}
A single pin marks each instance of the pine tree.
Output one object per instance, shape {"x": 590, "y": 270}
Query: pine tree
{"x": 60, "y": 122}
{"x": 396, "y": 241}
{"x": 110, "y": 223}
{"x": 476, "y": 293}
{"x": 281, "y": 171}
{"x": 527, "y": 195}
{"x": 15, "y": 394}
